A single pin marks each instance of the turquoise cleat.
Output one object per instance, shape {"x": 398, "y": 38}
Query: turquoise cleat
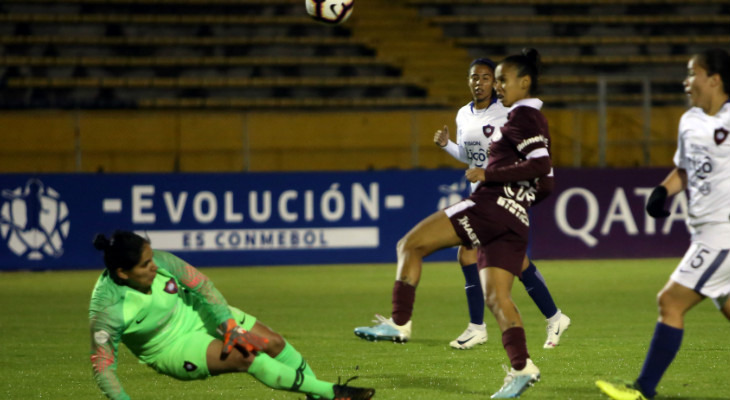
{"x": 517, "y": 382}
{"x": 385, "y": 329}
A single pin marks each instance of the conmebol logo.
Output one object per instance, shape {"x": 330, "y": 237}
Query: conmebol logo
{"x": 34, "y": 221}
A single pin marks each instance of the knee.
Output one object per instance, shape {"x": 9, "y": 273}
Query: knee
{"x": 467, "y": 256}
{"x": 667, "y": 305}
{"x": 276, "y": 344}
{"x": 406, "y": 245}
{"x": 239, "y": 361}
{"x": 492, "y": 300}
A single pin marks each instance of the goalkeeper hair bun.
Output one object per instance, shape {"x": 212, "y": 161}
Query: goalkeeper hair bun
{"x": 101, "y": 242}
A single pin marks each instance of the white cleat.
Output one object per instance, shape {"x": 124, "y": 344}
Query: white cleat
{"x": 555, "y": 330}
{"x": 472, "y": 336}
{"x": 385, "y": 329}
{"x": 517, "y": 382}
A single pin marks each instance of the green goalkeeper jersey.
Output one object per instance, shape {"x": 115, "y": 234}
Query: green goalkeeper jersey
{"x": 182, "y": 299}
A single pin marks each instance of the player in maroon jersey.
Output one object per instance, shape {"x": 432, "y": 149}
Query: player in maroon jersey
{"x": 493, "y": 219}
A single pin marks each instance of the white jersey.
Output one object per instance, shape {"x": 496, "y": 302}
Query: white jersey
{"x": 703, "y": 150}
{"x": 473, "y": 128}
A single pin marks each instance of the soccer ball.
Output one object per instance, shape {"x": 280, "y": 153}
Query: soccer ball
{"x": 331, "y": 12}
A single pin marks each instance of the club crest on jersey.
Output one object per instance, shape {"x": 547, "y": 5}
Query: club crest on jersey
{"x": 190, "y": 367}
{"x": 488, "y": 130}
{"x": 720, "y": 135}
{"x": 171, "y": 286}
{"x": 496, "y": 135}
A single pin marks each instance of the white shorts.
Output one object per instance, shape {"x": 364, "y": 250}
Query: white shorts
{"x": 705, "y": 270}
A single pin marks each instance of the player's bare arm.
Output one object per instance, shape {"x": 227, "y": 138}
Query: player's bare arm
{"x": 675, "y": 182}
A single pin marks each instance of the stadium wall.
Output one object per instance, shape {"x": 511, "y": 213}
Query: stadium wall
{"x": 230, "y": 141}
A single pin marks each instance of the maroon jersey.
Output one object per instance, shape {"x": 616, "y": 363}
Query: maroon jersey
{"x": 519, "y": 154}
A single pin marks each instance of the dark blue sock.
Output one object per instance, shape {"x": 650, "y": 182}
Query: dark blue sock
{"x": 474, "y": 294}
{"x": 664, "y": 346}
{"x": 537, "y": 289}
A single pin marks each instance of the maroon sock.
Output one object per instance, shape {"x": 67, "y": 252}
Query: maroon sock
{"x": 513, "y": 340}
{"x": 404, "y": 295}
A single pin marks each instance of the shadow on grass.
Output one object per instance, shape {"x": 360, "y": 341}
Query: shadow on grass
{"x": 402, "y": 381}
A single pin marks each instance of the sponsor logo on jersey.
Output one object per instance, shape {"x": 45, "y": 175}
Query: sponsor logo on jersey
{"x": 515, "y": 209}
{"x": 532, "y": 140}
{"x": 464, "y": 222}
{"x": 34, "y": 221}
{"x": 171, "y": 286}
{"x": 720, "y": 135}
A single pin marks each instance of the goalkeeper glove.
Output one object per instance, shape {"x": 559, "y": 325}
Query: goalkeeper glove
{"x": 235, "y": 336}
{"x": 655, "y": 205}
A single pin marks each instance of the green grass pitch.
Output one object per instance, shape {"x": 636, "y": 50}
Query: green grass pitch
{"x": 44, "y": 338}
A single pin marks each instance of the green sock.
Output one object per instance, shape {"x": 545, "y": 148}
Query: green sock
{"x": 290, "y": 357}
{"x": 276, "y": 375}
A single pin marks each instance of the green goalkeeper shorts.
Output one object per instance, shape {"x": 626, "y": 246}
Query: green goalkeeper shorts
{"x": 185, "y": 358}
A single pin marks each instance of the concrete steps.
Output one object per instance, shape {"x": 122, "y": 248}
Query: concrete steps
{"x": 401, "y": 37}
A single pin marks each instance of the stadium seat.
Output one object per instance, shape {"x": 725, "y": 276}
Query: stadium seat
{"x": 271, "y": 48}
{"x": 592, "y": 40}
{"x": 583, "y": 19}
{"x": 209, "y": 82}
{"x": 553, "y": 2}
{"x": 292, "y": 103}
{"x": 181, "y": 41}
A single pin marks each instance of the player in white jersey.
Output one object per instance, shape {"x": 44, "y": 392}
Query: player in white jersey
{"x": 703, "y": 168}
{"x": 475, "y": 123}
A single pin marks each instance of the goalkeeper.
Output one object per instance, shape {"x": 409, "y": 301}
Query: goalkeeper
{"x": 172, "y": 318}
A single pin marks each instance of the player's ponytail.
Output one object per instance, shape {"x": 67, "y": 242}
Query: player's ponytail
{"x": 527, "y": 63}
{"x": 716, "y": 61}
{"x": 123, "y": 250}
{"x": 101, "y": 242}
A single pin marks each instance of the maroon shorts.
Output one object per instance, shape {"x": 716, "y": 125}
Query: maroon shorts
{"x": 491, "y": 230}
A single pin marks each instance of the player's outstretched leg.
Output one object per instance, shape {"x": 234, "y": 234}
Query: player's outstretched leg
{"x": 517, "y": 381}
{"x": 432, "y": 233}
{"x": 397, "y": 328}
{"x": 276, "y": 375}
{"x": 621, "y": 391}
{"x": 385, "y": 329}
{"x": 289, "y": 356}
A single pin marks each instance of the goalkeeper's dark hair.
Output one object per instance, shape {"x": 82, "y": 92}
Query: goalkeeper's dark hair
{"x": 527, "y": 63}
{"x": 123, "y": 250}
{"x": 716, "y": 61}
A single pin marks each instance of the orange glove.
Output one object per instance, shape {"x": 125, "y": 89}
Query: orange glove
{"x": 235, "y": 336}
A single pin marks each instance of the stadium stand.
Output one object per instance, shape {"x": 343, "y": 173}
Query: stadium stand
{"x": 234, "y": 39}
{"x": 129, "y": 54}
{"x": 150, "y": 58}
{"x": 622, "y": 40}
